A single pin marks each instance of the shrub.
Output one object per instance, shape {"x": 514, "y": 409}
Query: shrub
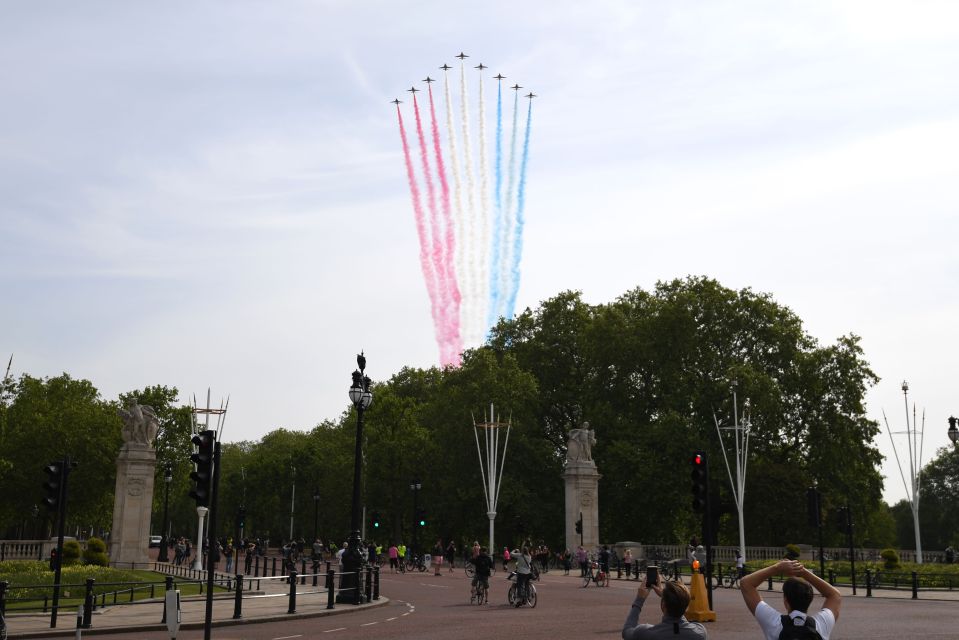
{"x": 95, "y": 553}
{"x": 71, "y": 552}
{"x": 890, "y": 558}
{"x": 792, "y": 551}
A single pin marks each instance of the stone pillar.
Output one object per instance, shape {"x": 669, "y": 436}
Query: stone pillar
{"x": 582, "y": 496}
{"x": 133, "y": 504}
{"x": 582, "y": 489}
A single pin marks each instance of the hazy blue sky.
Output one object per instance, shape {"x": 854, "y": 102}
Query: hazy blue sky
{"x": 212, "y": 193}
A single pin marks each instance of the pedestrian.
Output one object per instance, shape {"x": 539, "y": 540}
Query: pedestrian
{"x": 583, "y": 559}
{"x": 567, "y": 561}
{"x": 506, "y": 558}
{"x": 401, "y": 555}
{"x": 248, "y": 560}
{"x": 394, "y": 557}
{"x": 797, "y": 596}
{"x": 740, "y": 564}
{"x": 450, "y": 555}
{"x": 524, "y": 570}
{"x": 674, "y": 599}
{"x": 437, "y": 557}
{"x": 628, "y": 561}
{"x": 228, "y": 550}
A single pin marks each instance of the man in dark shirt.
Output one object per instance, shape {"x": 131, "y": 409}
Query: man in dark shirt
{"x": 484, "y": 567}
{"x": 674, "y": 599}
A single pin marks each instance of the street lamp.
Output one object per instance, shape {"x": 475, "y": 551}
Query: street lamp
{"x": 164, "y": 543}
{"x": 36, "y": 521}
{"x": 953, "y": 430}
{"x": 415, "y": 487}
{"x": 362, "y": 398}
{"x": 316, "y": 513}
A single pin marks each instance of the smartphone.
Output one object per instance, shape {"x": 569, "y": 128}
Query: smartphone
{"x": 652, "y": 576}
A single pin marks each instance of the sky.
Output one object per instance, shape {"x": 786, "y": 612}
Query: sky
{"x": 212, "y": 194}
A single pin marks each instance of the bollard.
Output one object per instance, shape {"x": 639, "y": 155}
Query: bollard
{"x": 302, "y": 570}
{"x": 238, "y": 598}
{"x": 167, "y": 587}
{"x": 369, "y": 583}
{"x": 256, "y": 567}
{"x": 832, "y": 577}
{"x": 292, "y": 581}
{"x": 770, "y": 587}
{"x": 376, "y": 582}
{"x": 328, "y": 566}
{"x": 619, "y": 571}
{"x": 79, "y": 623}
{"x": 274, "y": 567}
{"x": 868, "y": 583}
{"x": 88, "y": 605}
{"x": 316, "y": 572}
{"x": 329, "y": 588}
{"x": 3, "y": 597}
{"x": 915, "y": 586}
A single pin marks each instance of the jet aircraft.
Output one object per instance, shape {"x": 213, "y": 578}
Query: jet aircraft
{"x": 531, "y": 95}
{"x": 396, "y": 101}
{"x": 481, "y": 66}
{"x": 429, "y": 80}
{"x": 413, "y": 90}
{"x": 462, "y": 55}
{"x": 516, "y": 87}
{"x": 499, "y": 76}
{"x": 446, "y": 67}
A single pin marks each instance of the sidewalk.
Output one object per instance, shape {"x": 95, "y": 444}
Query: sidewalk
{"x": 269, "y": 605}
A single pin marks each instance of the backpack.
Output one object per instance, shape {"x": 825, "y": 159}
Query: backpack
{"x": 792, "y": 631}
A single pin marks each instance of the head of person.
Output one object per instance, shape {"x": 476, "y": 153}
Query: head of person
{"x": 675, "y": 599}
{"x": 797, "y": 594}
{"x": 482, "y": 549}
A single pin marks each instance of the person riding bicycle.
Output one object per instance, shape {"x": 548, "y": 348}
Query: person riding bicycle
{"x": 523, "y": 572}
{"x": 484, "y": 567}
{"x": 604, "y": 559}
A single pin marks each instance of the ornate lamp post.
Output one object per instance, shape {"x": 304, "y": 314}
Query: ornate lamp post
{"x": 316, "y": 513}
{"x": 953, "y": 430}
{"x": 362, "y": 398}
{"x": 164, "y": 543}
{"x": 415, "y": 487}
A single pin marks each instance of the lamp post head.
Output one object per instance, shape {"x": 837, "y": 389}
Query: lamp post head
{"x": 953, "y": 430}
{"x": 905, "y": 386}
{"x": 356, "y": 389}
{"x": 168, "y": 473}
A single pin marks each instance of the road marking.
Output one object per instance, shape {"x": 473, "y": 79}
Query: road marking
{"x": 332, "y": 630}
{"x": 366, "y": 624}
{"x": 390, "y": 619}
{"x": 288, "y": 637}
{"x": 407, "y": 613}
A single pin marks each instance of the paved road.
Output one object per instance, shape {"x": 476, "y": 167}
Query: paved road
{"x": 424, "y": 607}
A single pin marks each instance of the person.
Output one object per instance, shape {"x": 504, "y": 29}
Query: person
{"x": 583, "y": 559}
{"x": 394, "y": 558}
{"x": 797, "y": 596}
{"x": 604, "y": 559}
{"x": 740, "y": 564}
{"x": 228, "y": 552}
{"x": 628, "y": 562}
{"x": 523, "y": 572}
{"x": 401, "y": 555}
{"x": 484, "y": 567}
{"x": 674, "y": 599}
{"x": 450, "y": 555}
{"x": 505, "y": 558}
{"x": 317, "y": 554}
{"x": 950, "y": 555}
{"x": 437, "y": 557}
{"x": 248, "y": 560}
{"x": 567, "y": 561}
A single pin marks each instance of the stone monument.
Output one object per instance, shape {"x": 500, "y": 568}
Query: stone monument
{"x": 133, "y": 504}
{"x": 582, "y": 488}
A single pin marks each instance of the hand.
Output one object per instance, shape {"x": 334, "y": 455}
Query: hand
{"x": 789, "y": 567}
{"x": 658, "y": 587}
{"x": 643, "y": 590}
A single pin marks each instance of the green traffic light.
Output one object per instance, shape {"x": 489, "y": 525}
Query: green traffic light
{"x": 422, "y": 523}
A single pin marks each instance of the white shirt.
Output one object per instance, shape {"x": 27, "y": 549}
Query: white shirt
{"x": 770, "y": 621}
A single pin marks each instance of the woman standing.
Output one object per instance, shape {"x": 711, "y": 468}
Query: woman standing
{"x": 437, "y": 556}
{"x": 628, "y": 561}
{"x": 450, "y": 555}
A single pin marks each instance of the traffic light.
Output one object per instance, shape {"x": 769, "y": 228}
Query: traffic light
{"x": 53, "y": 485}
{"x": 241, "y": 518}
{"x": 579, "y": 525}
{"x": 842, "y": 519}
{"x": 421, "y": 517}
{"x": 700, "y": 477}
{"x": 375, "y": 520}
{"x": 812, "y": 507}
{"x": 203, "y": 459}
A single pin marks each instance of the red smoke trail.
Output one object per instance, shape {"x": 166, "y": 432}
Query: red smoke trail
{"x": 428, "y": 276}
{"x": 449, "y": 238}
{"x": 442, "y": 289}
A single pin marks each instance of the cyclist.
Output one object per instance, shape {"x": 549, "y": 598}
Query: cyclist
{"x": 604, "y": 559}
{"x": 484, "y": 566}
{"x": 523, "y": 572}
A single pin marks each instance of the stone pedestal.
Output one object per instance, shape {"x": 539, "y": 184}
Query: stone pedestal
{"x": 133, "y": 504}
{"x": 582, "y": 496}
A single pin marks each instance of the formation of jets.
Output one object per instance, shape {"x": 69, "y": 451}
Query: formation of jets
{"x": 498, "y": 77}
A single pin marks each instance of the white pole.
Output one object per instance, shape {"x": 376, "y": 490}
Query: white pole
{"x": 198, "y": 561}
{"x": 292, "y": 500}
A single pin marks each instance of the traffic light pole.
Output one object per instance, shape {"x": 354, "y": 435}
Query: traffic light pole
{"x": 708, "y": 534}
{"x": 211, "y": 542}
{"x": 61, "y": 516}
{"x": 852, "y": 556}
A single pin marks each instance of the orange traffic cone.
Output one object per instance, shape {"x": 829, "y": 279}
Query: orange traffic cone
{"x": 698, "y": 609}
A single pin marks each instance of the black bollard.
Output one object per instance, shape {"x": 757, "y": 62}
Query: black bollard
{"x": 376, "y": 583}
{"x": 3, "y": 597}
{"x": 274, "y": 567}
{"x": 238, "y": 598}
{"x": 868, "y": 583}
{"x": 302, "y": 570}
{"x": 832, "y": 577}
{"x": 330, "y": 591}
{"x": 292, "y": 579}
{"x": 369, "y": 583}
{"x": 88, "y": 605}
{"x": 770, "y": 587}
{"x": 915, "y": 586}
{"x": 316, "y": 572}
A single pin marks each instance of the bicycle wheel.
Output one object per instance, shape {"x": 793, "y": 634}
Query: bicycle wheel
{"x": 470, "y": 570}
{"x": 728, "y": 581}
{"x": 511, "y": 595}
{"x": 605, "y": 580}
{"x": 421, "y": 566}
{"x": 587, "y": 579}
{"x": 530, "y": 596}
{"x": 480, "y": 594}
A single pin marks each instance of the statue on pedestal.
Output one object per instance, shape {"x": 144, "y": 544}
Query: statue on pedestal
{"x": 579, "y": 447}
{"x": 140, "y": 424}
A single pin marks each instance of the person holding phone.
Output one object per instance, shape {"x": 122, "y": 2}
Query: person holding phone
{"x": 674, "y": 599}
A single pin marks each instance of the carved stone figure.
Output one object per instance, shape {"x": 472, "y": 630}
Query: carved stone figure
{"x": 579, "y": 448}
{"x": 140, "y": 424}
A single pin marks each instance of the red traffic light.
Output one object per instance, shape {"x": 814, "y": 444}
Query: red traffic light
{"x": 698, "y": 459}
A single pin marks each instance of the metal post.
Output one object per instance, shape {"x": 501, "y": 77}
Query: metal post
{"x": 211, "y": 544}
{"x": 330, "y": 591}
{"x": 292, "y": 608}
{"x": 362, "y": 397}
{"x": 164, "y": 556}
{"x": 238, "y": 598}
{"x": 868, "y": 583}
{"x": 88, "y": 605}
{"x": 169, "y": 587}
{"x": 369, "y": 582}
{"x": 376, "y": 582}
{"x": 915, "y": 585}
{"x": 852, "y": 555}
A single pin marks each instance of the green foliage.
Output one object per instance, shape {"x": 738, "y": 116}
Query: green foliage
{"x": 95, "y": 553}
{"x": 792, "y": 551}
{"x": 890, "y": 559}
{"x": 71, "y": 552}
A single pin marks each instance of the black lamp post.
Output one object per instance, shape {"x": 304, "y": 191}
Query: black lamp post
{"x": 36, "y": 521}
{"x": 953, "y": 430}
{"x": 164, "y": 543}
{"x": 316, "y": 513}
{"x": 415, "y": 487}
{"x": 362, "y": 398}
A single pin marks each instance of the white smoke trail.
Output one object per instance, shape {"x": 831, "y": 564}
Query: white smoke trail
{"x": 483, "y": 251}
{"x": 469, "y": 283}
{"x": 458, "y": 225}
{"x": 509, "y": 209}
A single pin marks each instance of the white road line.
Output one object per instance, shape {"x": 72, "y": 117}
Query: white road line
{"x": 288, "y": 637}
{"x": 390, "y": 619}
{"x": 367, "y": 624}
{"x": 332, "y": 630}
{"x": 407, "y": 613}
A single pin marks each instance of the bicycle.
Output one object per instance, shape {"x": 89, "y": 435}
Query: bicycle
{"x": 415, "y": 562}
{"x": 480, "y": 593}
{"x": 513, "y": 595}
{"x": 600, "y": 577}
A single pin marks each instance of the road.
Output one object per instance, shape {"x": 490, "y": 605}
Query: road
{"x": 425, "y": 607}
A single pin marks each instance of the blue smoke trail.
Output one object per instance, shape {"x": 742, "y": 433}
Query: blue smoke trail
{"x": 520, "y": 206}
{"x": 496, "y": 269}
